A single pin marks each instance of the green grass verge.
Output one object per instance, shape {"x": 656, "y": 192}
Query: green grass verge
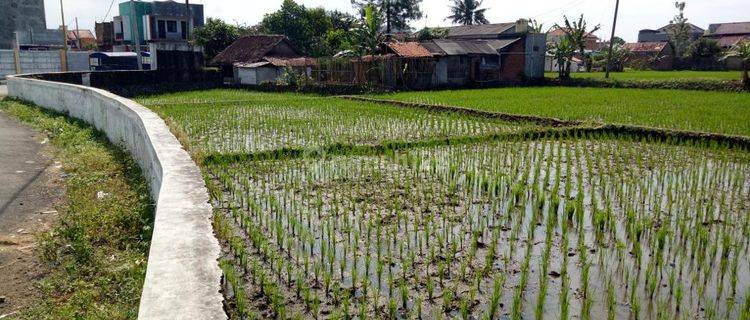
{"x": 656, "y": 75}
{"x": 715, "y": 112}
{"x": 97, "y": 252}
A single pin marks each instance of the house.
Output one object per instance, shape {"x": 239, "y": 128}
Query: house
{"x": 650, "y": 55}
{"x": 464, "y": 61}
{"x": 156, "y": 21}
{"x": 519, "y": 51}
{"x": 105, "y": 35}
{"x": 592, "y": 41}
{"x": 81, "y": 39}
{"x": 729, "y": 34}
{"x": 258, "y": 58}
{"x": 662, "y": 34}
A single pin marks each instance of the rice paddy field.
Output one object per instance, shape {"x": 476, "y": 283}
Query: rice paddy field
{"x": 466, "y": 217}
{"x": 715, "y": 112}
{"x": 657, "y": 75}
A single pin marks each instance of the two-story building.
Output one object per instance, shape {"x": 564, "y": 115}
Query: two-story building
{"x": 157, "y": 21}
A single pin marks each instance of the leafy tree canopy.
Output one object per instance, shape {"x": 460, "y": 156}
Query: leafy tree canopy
{"x": 396, "y": 13}
{"x": 467, "y": 12}
{"x": 216, "y": 35}
{"x": 313, "y": 31}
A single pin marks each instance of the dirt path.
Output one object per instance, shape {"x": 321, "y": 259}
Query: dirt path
{"x": 30, "y": 190}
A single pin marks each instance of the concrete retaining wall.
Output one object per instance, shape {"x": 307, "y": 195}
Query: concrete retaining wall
{"x": 183, "y": 277}
{"x": 41, "y": 61}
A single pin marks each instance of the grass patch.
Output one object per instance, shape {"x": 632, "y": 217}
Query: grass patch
{"x": 715, "y": 112}
{"x": 98, "y": 250}
{"x": 656, "y": 75}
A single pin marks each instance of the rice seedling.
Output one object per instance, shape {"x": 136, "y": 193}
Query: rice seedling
{"x": 608, "y": 225}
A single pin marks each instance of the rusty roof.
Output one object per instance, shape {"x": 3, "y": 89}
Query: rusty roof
{"x": 409, "y": 49}
{"x": 80, "y": 34}
{"x": 249, "y": 49}
{"x": 645, "y": 46}
{"x": 290, "y": 62}
{"x": 733, "y": 28}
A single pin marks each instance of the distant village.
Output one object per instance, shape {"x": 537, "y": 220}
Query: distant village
{"x": 475, "y": 53}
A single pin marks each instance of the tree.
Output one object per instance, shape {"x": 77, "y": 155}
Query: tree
{"x": 467, "y": 12}
{"x": 396, "y": 13}
{"x": 576, "y": 32}
{"x": 679, "y": 32}
{"x": 431, "y": 33}
{"x": 741, "y": 51}
{"x": 216, "y": 35}
{"x": 704, "y": 54}
{"x": 367, "y": 34}
{"x": 562, "y": 52}
{"x": 312, "y": 31}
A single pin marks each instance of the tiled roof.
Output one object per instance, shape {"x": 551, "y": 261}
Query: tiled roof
{"x": 248, "y": 49}
{"x": 729, "y": 28}
{"x": 82, "y": 34}
{"x": 645, "y": 46}
{"x": 409, "y": 49}
{"x": 557, "y": 32}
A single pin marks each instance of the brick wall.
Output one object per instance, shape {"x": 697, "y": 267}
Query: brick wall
{"x": 513, "y": 62}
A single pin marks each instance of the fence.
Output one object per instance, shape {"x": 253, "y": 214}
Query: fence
{"x": 40, "y": 62}
{"x": 385, "y": 72}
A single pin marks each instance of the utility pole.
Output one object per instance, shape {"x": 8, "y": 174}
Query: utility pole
{"x": 17, "y": 54}
{"x": 612, "y": 40}
{"x": 78, "y": 35}
{"x": 64, "y": 53}
{"x": 136, "y": 36}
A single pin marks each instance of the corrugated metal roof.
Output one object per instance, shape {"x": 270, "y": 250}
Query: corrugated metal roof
{"x": 463, "y": 47}
{"x": 728, "y": 41}
{"x": 480, "y": 31}
{"x": 501, "y": 44}
{"x": 409, "y": 49}
{"x": 729, "y": 28}
{"x": 290, "y": 62}
{"x": 252, "y": 65}
{"x": 249, "y": 49}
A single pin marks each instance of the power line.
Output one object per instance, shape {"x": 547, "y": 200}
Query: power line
{"x": 108, "y": 10}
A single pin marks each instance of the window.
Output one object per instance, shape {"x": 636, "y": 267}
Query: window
{"x": 183, "y": 30}
{"x": 161, "y": 26}
{"x": 172, "y": 26}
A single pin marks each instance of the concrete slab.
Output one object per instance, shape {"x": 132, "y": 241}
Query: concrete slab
{"x": 3, "y": 90}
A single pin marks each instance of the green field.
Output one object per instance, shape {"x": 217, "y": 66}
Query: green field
{"x": 717, "y": 112}
{"x": 657, "y": 75}
{"x": 476, "y": 222}
{"x": 250, "y": 122}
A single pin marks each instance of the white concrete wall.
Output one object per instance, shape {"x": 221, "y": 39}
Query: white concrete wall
{"x": 183, "y": 276}
{"x": 41, "y": 61}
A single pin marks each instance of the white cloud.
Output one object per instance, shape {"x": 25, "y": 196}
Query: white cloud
{"x": 634, "y": 14}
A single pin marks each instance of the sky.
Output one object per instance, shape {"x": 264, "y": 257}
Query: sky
{"x": 634, "y": 14}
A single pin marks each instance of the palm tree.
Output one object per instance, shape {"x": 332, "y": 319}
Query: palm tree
{"x": 467, "y": 12}
{"x": 741, "y": 50}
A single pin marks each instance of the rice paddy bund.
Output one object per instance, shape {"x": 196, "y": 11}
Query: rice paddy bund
{"x": 556, "y": 225}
